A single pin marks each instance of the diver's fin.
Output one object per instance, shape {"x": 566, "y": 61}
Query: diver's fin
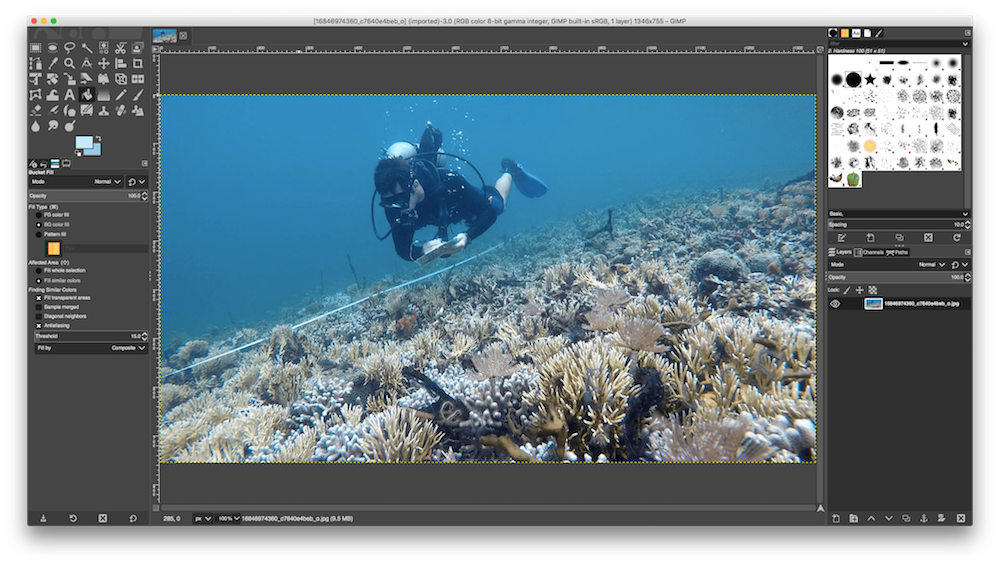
{"x": 529, "y": 185}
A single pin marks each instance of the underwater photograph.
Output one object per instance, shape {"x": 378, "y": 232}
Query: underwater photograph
{"x": 459, "y": 279}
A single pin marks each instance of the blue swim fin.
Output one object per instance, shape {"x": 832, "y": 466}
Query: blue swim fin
{"x": 529, "y": 185}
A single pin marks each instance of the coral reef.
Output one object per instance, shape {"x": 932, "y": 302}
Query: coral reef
{"x": 492, "y": 363}
{"x": 581, "y": 399}
{"x": 398, "y": 435}
{"x": 721, "y": 264}
{"x": 639, "y": 334}
{"x": 687, "y": 336}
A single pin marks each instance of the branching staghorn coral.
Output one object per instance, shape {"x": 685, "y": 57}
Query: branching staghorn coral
{"x": 649, "y": 307}
{"x": 395, "y": 303}
{"x": 380, "y": 401}
{"x": 533, "y": 324}
{"x": 351, "y": 414}
{"x": 280, "y": 383}
{"x": 425, "y": 346}
{"x": 585, "y": 277}
{"x": 431, "y": 301}
{"x": 298, "y": 448}
{"x": 801, "y": 290}
{"x": 177, "y": 436}
{"x": 718, "y": 439}
{"x": 631, "y": 278}
{"x": 779, "y": 400}
{"x": 727, "y": 363}
{"x": 551, "y": 422}
{"x": 562, "y": 314}
{"x": 778, "y": 353}
{"x": 192, "y": 350}
{"x": 385, "y": 368}
{"x": 266, "y": 377}
{"x": 478, "y": 327}
{"x": 398, "y": 435}
{"x": 687, "y": 390}
{"x": 171, "y": 395}
{"x": 736, "y": 338}
{"x": 505, "y": 444}
{"x": 559, "y": 279}
{"x": 354, "y": 353}
{"x": 586, "y": 388}
{"x": 215, "y": 449}
{"x": 285, "y": 344}
{"x": 697, "y": 351}
{"x": 461, "y": 344}
{"x": 215, "y": 366}
{"x": 514, "y": 339}
{"x": 220, "y": 433}
{"x": 546, "y": 347}
{"x": 683, "y": 314}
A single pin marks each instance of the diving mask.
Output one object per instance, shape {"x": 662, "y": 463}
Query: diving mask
{"x": 399, "y": 200}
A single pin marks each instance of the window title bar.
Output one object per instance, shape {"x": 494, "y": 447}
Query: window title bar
{"x": 512, "y": 21}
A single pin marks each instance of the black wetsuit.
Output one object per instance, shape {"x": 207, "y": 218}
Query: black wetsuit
{"x": 448, "y": 199}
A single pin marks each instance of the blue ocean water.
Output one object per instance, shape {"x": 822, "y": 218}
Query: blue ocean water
{"x": 263, "y": 196}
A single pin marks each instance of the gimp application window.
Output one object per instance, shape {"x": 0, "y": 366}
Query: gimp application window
{"x": 477, "y": 271}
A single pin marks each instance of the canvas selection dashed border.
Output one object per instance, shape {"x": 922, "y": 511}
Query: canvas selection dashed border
{"x": 893, "y": 113}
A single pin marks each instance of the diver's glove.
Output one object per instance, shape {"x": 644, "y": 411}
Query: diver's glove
{"x": 456, "y": 244}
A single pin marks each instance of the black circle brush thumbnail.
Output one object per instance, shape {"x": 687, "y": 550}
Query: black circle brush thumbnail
{"x": 854, "y": 79}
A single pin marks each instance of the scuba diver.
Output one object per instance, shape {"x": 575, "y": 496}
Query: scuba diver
{"x": 417, "y": 190}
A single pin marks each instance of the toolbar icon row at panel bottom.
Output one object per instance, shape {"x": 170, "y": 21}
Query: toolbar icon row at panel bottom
{"x": 893, "y": 518}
